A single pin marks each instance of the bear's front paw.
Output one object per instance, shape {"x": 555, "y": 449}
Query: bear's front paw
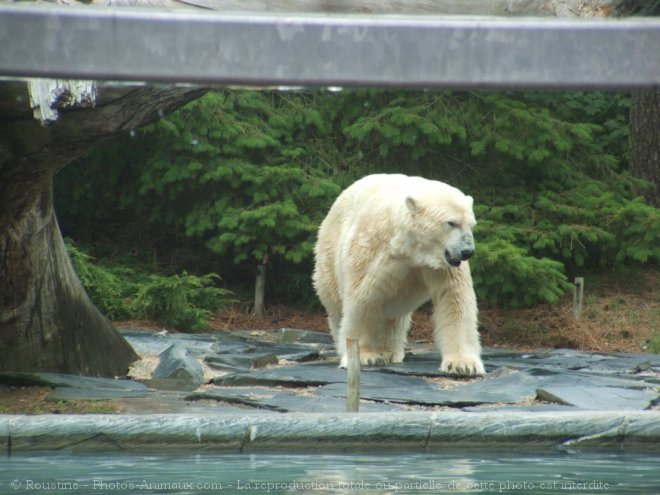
{"x": 463, "y": 366}
{"x": 375, "y": 358}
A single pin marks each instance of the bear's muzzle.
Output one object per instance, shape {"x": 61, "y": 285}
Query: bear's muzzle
{"x": 455, "y": 261}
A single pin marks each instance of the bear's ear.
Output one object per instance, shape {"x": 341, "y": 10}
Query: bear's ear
{"x": 470, "y": 200}
{"x": 412, "y": 205}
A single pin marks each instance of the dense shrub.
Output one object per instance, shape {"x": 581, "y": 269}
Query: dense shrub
{"x": 182, "y": 301}
{"x": 110, "y": 288}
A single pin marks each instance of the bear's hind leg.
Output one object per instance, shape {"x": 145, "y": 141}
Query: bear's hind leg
{"x": 334, "y": 322}
{"x": 396, "y": 336}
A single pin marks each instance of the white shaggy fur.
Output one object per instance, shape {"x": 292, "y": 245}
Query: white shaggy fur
{"x": 389, "y": 244}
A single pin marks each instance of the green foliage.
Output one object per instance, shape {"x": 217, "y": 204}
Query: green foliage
{"x": 654, "y": 343}
{"x": 232, "y": 170}
{"x": 546, "y": 170}
{"x": 182, "y": 301}
{"x": 110, "y": 288}
{"x": 505, "y": 274}
{"x": 238, "y": 175}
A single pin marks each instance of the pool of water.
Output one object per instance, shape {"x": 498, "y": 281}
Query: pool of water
{"x": 617, "y": 473}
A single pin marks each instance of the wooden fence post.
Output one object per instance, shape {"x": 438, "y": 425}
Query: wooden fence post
{"x": 260, "y": 288}
{"x": 353, "y": 372}
{"x": 578, "y": 296}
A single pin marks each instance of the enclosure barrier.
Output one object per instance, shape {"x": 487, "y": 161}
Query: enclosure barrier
{"x": 413, "y": 431}
{"x": 125, "y": 44}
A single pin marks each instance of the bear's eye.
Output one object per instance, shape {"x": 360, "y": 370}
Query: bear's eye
{"x": 453, "y": 225}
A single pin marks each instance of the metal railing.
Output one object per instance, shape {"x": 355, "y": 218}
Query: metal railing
{"x": 327, "y": 50}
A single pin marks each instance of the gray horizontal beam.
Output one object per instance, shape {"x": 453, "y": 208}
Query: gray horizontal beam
{"x": 327, "y": 50}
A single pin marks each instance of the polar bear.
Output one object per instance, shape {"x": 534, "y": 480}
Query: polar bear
{"x": 389, "y": 244}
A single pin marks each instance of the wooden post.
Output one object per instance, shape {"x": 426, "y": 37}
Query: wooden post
{"x": 260, "y": 288}
{"x": 353, "y": 372}
{"x": 578, "y": 296}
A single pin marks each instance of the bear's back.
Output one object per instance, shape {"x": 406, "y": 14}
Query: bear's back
{"x": 378, "y": 191}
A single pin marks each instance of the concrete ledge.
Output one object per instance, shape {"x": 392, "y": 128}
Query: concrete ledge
{"x": 416, "y": 431}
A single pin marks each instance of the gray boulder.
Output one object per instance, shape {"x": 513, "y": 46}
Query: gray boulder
{"x": 180, "y": 368}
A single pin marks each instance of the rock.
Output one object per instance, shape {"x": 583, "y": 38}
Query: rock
{"x": 569, "y": 379}
{"x": 625, "y": 363}
{"x": 73, "y": 381}
{"x": 294, "y": 352}
{"x": 532, "y": 408}
{"x": 149, "y": 342}
{"x": 74, "y": 387}
{"x": 241, "y": 361}
{"x": 643, "y": 366}
{"x": 425, "y": 395}
{"x": 224, "y": 347}
{"x": 253, "y": 355}
{"x": 571, "y": 360}
{"x": 423, "y": 366}
{"x": 283, "y": 401}
{"x": 70, "y": 394}
{"x": 301, "y": 357}
{"x": 292, "y": 376}
{"x": 598, "y": 398}
{"x": 177, "y": 364}
{"x": 315, "y": 374}
{"x": 254, "y": 397}
{"x": 290, "y": 335}
{"x": 264, "y": 380}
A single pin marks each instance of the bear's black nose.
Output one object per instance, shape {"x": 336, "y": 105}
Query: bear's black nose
{"x": 466, "y": 254}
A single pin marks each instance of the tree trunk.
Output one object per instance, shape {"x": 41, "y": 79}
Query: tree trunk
{"x": 47, "y": 322}
{"x": 645, "y": 141}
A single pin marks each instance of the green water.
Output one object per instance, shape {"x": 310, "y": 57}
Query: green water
{"x": 615, "y": 473}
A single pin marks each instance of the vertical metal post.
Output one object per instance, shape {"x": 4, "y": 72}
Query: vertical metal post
{"x": 353, "y": 371}
{"x": 578, "y": 296}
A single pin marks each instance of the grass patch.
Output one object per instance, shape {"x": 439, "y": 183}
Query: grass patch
{"x": 35, "y": 400}
{"x": 654, "y": 343}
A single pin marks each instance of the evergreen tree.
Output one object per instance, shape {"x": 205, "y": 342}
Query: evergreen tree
{"x": 241, "y": 174}
{"x": 547, "y": 173}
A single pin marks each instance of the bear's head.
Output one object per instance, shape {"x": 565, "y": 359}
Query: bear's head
{"x": 442, "y": 223}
